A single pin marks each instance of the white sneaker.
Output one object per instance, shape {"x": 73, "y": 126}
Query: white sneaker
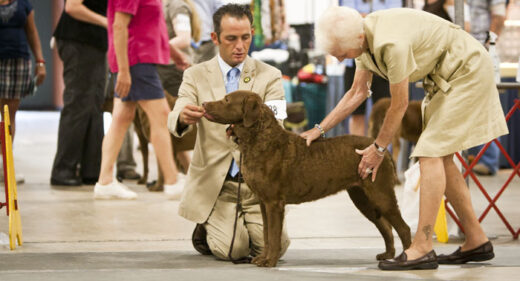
{"x": 174, "y": 191}
{"x": 113, "y": 190}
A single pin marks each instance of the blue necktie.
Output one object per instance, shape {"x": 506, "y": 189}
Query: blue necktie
{"x": 233, "y": 76}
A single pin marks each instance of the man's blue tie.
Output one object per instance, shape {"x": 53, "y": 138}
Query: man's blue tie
{"x": 233, "y": 76}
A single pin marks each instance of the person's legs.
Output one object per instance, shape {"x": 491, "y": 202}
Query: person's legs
{"x": 157, "y": 111}
{"x": 220, "y": 223}
{"x": 457, "y": 193}
{"x": 488, "y": 163}
{"x": 433, "y": 185}
{"x": 122, "y": 116}
{"x": 125, "y": 159}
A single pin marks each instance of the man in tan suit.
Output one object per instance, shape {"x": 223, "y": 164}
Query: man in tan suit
{"x": 210, "y": 194}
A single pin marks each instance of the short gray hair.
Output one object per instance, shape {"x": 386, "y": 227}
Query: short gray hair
{"x": 338, "y": 27}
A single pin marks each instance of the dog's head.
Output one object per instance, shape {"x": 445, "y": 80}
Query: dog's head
{"x": 235, "y": 108}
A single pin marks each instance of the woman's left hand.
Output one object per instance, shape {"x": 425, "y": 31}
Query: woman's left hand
{"x": 370, "y": 162}
{"x": 40, "y": 73}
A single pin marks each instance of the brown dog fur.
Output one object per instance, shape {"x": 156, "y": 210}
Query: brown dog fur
{"x": 280, "y": 169}
{"x": 410, "y": 129}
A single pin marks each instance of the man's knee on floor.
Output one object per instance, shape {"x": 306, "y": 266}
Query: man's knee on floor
{"x": 220, "y": 248}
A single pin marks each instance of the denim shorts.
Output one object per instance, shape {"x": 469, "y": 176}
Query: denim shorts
{"x": 146, "y": 84}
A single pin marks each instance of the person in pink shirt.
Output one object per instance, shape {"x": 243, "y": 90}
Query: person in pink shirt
{"x": 137, "y": 42}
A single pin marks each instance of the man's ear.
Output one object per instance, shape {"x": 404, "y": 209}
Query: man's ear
{"x": 251, "y": 111}
{"x": 214, "y": 38}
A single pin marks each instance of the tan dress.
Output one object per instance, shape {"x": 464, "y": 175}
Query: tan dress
{"x": 461, "y": 108}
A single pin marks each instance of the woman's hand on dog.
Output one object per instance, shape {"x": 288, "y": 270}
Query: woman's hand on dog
{"x": 191, "y": 114}
{"x": 370, "y": 160}
{"x": 311, "y": 135}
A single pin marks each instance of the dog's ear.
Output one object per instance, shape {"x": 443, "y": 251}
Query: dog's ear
{"x": 251, "y": 111}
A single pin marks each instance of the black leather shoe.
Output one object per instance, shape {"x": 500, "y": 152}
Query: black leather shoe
{"x": 66, "y": 182}
{"x": 89, "y": 181}
{"x": 483, "y": 252}
{"x": 401, "y": 262}
{"x": 198, "y": 238}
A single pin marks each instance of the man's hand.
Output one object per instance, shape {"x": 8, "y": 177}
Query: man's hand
{"x": 191, "y": 114}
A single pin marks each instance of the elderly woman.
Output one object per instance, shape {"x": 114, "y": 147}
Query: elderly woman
{"x": 461, "y": 109}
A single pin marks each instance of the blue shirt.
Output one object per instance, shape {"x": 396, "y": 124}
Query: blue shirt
{"x": 13, "y": 40}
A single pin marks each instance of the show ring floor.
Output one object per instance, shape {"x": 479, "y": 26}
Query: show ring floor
{"x": 69, "y": 236}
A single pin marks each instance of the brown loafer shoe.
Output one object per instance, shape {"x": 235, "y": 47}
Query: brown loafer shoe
{"x": 401, "y": 262}
{"x": 198, "y": 238}
{"x": 483, "y": 252}
{"x": 128, "y": 175}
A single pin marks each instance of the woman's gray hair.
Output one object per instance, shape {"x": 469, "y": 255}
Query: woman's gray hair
{"x": 338, "y": 28}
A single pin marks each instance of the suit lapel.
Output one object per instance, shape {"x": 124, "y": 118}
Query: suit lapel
{"x": 247, "y": 76}
{"x": 215, "y": 79}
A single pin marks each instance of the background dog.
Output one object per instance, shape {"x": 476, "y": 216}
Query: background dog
{"x": 280, "y": 169}
{"x": 410, "y": 129}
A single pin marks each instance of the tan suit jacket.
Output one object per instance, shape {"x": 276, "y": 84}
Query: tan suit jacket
{"x": 213, "y": 150}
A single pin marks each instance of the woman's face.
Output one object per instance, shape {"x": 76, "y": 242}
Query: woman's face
{"x": 342, "y": 54}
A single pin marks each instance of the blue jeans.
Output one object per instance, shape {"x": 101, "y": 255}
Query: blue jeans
{"x": 489, "y": 158}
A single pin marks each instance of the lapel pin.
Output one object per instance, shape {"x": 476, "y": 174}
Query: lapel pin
{"x": 247, "y": 79}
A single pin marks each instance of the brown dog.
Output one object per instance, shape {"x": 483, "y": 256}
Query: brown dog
{"x": 280, "y": 169}
{"x": 410, "y": 129}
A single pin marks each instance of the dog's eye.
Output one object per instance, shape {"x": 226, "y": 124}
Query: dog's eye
{"x": 226, "y": 99}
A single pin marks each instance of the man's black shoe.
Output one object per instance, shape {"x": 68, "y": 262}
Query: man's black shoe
{"x": 199, "y": 240}
{"x": 89, "y": 181}
{"x": 66, "y": 182}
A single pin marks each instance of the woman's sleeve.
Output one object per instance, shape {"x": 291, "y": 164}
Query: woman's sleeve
{"x": 399, "y": 60}
{"x": 127, "y": 6}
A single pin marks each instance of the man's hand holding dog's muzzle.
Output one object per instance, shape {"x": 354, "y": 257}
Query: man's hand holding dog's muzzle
{"x": 191, "y": 114}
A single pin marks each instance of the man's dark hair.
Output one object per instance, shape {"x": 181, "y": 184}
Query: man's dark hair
{"x": 233, "y": 10}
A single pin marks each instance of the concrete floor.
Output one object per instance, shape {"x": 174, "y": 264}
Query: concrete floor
{"x": 69, "y": 236}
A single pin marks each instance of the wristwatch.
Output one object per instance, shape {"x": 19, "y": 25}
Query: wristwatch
{"x": 380, "y": 149}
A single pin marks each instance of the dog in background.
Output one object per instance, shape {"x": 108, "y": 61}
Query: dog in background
{"x": 410, "y": 129}
{"x": 281, "y": 169}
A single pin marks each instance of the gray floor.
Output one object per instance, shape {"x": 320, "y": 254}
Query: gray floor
{"x": 69, "y": 236}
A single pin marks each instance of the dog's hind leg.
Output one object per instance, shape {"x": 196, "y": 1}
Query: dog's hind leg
{"x": 143, "y": 144}
{"x": 369, "y": 210}
{"x": 261, "y": 258}
{"x": 403, "y": 230}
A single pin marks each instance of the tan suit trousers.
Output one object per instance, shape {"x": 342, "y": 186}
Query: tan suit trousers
{"x": 249, "y": 238}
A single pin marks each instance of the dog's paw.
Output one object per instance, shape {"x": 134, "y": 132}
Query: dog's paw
{"x": 154, "y": 186}
{"x": 258, "y": 260}
{"x": 141, "y": 181}
{"x": 265, "y": 262}
{"x": 385, "y": 256}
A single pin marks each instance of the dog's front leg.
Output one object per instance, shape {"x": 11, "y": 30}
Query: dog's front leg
{"x": 275, "y": 214}
{"x": 260, "y": 259}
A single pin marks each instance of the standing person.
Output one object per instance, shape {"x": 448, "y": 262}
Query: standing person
{"x": 210, "y": 195}
{"x": 204, "y": 49}
{"x": 183, "y": 24}
{"x": 379, "y": 86}
{"x": 461, "y": 109}
{"x": 17, "y": 33}
{"x": 486, "y": 16}
{"x": 82, "y": 44}
{"x": 138, "y": 41}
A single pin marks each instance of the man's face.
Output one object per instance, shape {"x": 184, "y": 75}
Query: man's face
{"x": 235, "y": 39}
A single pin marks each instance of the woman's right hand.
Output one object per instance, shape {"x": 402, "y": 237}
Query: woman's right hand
{"x": 311, "y": 135}
{"x": 123, "y": 84}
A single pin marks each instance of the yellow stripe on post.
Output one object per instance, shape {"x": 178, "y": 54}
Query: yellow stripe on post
{"x": 15, "y": 222}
